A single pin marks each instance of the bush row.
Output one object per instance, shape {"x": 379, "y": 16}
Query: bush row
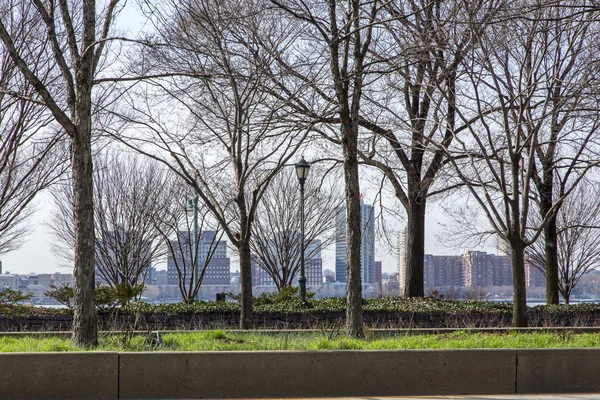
{"x": 269, "y": 304}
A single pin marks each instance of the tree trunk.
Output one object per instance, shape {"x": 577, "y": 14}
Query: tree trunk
{"x": 550, "y": 253}
{"x": 354, "y": 319}
{"x": 414, "y": 281}
{"x": 517, "y": 253}
{"x": 567, "y": 296}
{"x": 85, "y": 329}
{"x": 246, "y": 284}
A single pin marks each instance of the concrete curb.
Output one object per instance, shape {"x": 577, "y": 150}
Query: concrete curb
{"x": 81, "y": 375}
{"x": 315, "y": 373}
{"x": 179, "y": 375}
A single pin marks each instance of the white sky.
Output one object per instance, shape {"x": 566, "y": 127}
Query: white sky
{"x": 35, "y": 255}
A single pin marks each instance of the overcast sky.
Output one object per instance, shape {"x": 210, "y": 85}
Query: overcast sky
{"x": 36, "y": 256}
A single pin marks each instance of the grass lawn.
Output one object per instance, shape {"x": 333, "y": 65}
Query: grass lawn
{"x": 218, "y": 340}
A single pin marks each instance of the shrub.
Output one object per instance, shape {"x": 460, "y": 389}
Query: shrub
{"x": 107, "y": 298}
{"x": 10, "y": 296}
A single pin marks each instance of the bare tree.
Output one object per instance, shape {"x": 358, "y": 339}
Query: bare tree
{"x": 30, "y": 157}
{"x": 499, "y": 168}
{"x": 565, "y": 115}
{"x": 226, "y": 145}
{"x": 578, "y": 239}
{"x": 327, "y": 82}
{"x": 72, "y": 45}
{"x": 130, "y": 197}
{"x": 276, "y": 231}
{"x": 191, "y": 238}
{"x": 411, "y": 107}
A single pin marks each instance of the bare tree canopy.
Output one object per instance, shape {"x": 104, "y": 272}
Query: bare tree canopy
{"x": 31, "y": 158}
{"x": 191, "y": 236}
{"x": 325, "y": 70}
{"x": 497, "y": 160}
{"x": 74, "y": 42}
{"x": 131, "y": 197}
{"x": 578, "y": 239}
{"x": 564, "y": 111}
{"x": 275, "y": 240}
{"x": 225, "y": 142}
{"x": 411, "y": 106}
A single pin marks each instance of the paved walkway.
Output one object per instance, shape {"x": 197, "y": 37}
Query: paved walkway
{"x": 503, "y": 397}
{"x": 483, "y": 397}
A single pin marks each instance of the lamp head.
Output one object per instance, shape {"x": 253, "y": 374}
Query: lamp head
{"x": 302, "y": 168}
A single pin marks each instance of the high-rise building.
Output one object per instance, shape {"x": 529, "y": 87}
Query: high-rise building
{"x": 533, "y": 273}
{"x": 402, "y": 251}
{"x": 378, "y": 272}
{"x": 483, "y": 269}
{"x": 218, "y": 267}
{"x": 367, "y": 244}
{"x": 443, "y": 270}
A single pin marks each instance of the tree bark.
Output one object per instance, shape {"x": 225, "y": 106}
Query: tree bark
{"x": 551, "y": 257}
{"x": 246, "y": 284}
{"x": 85, "y": 329}
{"x": 414, "y": 275}
{"x": 354, "y": 319}
{"x": 519, "y": 292}
{"x": 550, "y": 239}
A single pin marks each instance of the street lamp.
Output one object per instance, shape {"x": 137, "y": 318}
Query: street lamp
{"x": 193, "y": 208}
{"x": 302, "y": 168}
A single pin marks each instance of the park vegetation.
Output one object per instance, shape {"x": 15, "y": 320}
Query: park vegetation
{"x": 493, "y": 101}
{"x": 219, "y": 340}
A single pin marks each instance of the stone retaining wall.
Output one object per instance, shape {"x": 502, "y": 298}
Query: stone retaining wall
{"x": 298, "y": 321}
{"x": 169, "y": 375}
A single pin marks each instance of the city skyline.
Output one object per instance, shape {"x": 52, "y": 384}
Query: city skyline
{"x": 35, "y": 255}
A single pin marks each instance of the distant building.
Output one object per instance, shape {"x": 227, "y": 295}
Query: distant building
{"x": 217, "y": 270}
{"x": 377, "y": 279}
{"x": 474, "y": 268}
{"x": 60, "y": 279}
{"x": 533, "y": 274}
{"x": 483, "y": 269}
{"x": 367, "y": 244}
{"x": 234, "y": 278}
{"x": 389, "y": 284}
{"x": 10, "y": 281}
{"x": 402, "y": 252}
{"x": 313, "y": 268}
{"x": 156, "y": 277}
{"x": 443, "y": 270}
{"x": 161, "y": 277}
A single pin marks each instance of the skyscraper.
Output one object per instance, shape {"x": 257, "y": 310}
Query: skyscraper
{"x": 367, "y": 244}
{"x": 217, "y": 269}
{"x": 378, "y": 279}
{"x": 402, "y": 250}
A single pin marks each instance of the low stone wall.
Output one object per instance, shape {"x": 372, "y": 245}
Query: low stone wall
{"x": 89, "y": 375}
{"x": 393, "y": 320}
{"x": 168, "y": 375}
{"x": 315, "y": 374}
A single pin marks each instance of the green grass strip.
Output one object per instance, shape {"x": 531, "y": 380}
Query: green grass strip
{"x": 217, "y": 340}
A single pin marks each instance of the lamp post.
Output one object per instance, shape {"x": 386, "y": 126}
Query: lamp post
{"x": 193, "y": 207}
{"x": 302, "y": 168}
